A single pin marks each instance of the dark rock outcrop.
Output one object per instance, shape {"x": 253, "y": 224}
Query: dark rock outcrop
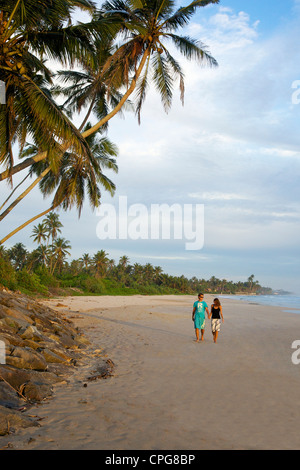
{"x": 38, "y": 348}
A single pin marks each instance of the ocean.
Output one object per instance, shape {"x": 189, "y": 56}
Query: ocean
{"x": 290, "y": 303}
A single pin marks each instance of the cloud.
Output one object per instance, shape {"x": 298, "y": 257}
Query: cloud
{"x": 218, "y": 196}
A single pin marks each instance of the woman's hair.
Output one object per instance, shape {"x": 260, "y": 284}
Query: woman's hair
{"x": 217, "y": 302}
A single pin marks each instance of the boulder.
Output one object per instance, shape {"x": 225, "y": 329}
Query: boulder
{"x": 41, "y": 349}
{"x": 54, "y": 356}
{"x": 11, "y": 420}
{"x": 15, "y": 312}
{"x": 26, "y": 358}
{"x": 9, "y": 397}
{"x": 32, "y": 333}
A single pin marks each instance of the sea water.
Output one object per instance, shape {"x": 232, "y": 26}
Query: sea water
{"x": 291, "y": 303}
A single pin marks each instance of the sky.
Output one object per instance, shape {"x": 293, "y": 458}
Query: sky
{"x": 227, "y": 162}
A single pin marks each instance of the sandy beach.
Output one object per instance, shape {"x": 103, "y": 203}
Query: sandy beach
{"x": 168, "y": 392}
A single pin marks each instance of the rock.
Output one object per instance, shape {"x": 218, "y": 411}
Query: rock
{"x": 41, "y": 350}
{"x": 31, "y": 344}
{"x": 33, "y": 386}
{"x": 25, "y": 358}
{"x": 15, "y": 313}
{"x": 9, "y": 397}
{"x": 82, "y": 341}
{"x": 37, "y": 391}
{"x": 10, "y": 420}
{"x": 65, "y": 340}
{"x": 31, "y": 333}
{"x": 51, "y": 356}
{"x": 10, "y": 338}
{"x": 16, "y": 377}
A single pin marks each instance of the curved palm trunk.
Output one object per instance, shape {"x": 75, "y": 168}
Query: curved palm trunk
{"x": 21, "y": 166}
{"x": 14, "y": 190}
{"x": 42, "y": 156}
{"x": 24, "y": 194}
{"x": 27, "y": 223}
{"x": 123, "y": 100}
{"x": 88, "y": 114}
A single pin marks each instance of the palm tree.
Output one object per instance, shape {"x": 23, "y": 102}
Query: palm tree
{"x": 138, "y": 273}
{"x": 39, "y": 256}
{"x": 157, "y": 274}
{"x": 144, "y": 26}
{"x": 148, "y": 272}
{"x": 60, "y": 249}
{"x": 100, "y": 261}
{"x": 18, "y": 255}
{"x": 86, "y": 261}
{"x": 147, "y": 26}
{"x": 53, "y": 226}
{"x": 39, "y": 233}
{"x": 87, "y": 89}
{"x": 30, "y": 31}
{"x": 77, "y": 176}
{"x": 123, "y": 261}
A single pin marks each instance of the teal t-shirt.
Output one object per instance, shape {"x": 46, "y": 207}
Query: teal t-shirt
{"x": 200, "y": 308}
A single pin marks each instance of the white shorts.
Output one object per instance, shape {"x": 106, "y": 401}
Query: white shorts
{"x": 215, "y": 324}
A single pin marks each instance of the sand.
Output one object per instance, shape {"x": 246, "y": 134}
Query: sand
{"x": 169, "y": 392}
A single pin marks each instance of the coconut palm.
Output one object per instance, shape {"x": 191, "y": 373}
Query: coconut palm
{"x": 39, "y": 256}
{"x": 87, "y": 89}
{"x": 18, "y": 255}
{"x": 86, "y": 261}
{"x": 146, "y": 27}
{"x": 30, "y": 30}
{"x": 39, "y": 233}
{"x": 77, "y": 176}
{"x": 60, "y": 249}
{"x": 52, "y": 226}
{"x": 100, "y": 261}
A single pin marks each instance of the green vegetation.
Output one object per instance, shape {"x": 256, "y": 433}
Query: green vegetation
{"x": 46, "y": 271}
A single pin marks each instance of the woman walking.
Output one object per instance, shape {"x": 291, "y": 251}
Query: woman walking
{"x": 216, "y": 314}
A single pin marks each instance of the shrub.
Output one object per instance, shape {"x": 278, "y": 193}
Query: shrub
{"x": 30, "y": 282}
{"x": 7, "y": 274}
{"x": 93, "y": 285}
{"x": 46, "y": 278}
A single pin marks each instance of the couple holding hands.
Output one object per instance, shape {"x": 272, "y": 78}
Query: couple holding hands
{"x": 198, "y": 316}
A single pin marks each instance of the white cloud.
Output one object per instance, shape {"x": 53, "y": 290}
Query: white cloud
{"x": 218, "y": 196}
{"x": 278, "y": 152}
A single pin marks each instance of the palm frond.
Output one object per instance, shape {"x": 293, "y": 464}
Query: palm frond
{"x": 193, "y": 49}
{"x": 141, "y": 90}
{"x": 182, "y": 16}
{"x": 163, "y": 80}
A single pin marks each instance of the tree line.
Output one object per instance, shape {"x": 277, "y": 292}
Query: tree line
{"x": 46, "y": 270}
